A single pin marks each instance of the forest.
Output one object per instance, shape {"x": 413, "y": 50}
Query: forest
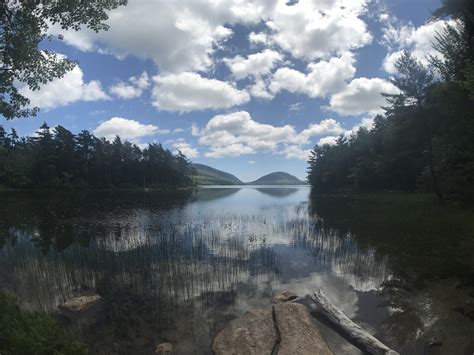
{"x": 56, "y": 158}
{"x": 425, "y": 139}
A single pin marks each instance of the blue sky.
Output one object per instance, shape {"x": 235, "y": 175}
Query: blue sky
{"x": 248, "y": 87}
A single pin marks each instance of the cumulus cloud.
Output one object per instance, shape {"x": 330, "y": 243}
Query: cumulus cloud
{"x": 126, "y": 129}
{"x": 366, "y": 122}
{"x": 132, "y": 90}
{"x": 312, "y": 29}
{"x": 259, "y": 89}
{"x": 237, "y": 133}
{"x": 187, "y": 91}
{"x": 258, "y": 38}
{"x": 141, "y": 82}
{"x": 185, "y": 34}
{"x": 321, "y": 79}
{"x": 125, "y": 91}
{"x": 329, "y": 140}
{"x": 187, "y": 149}
{"x": 315, "y": 129}
{"x": 362, "y": 95}
{"x": 296, "y": 152}
{"x": 66, "y": 90}
{"x": 257, "y": 64}
{"x": 418, "y": 40}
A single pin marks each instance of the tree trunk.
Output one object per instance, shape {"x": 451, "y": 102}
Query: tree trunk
{"x": 358, "y": 336}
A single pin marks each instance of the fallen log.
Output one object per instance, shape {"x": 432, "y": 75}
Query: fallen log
{"x": 341, "y": 322}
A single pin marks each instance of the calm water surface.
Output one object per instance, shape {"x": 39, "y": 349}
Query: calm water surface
{"x": 176, "y": 267}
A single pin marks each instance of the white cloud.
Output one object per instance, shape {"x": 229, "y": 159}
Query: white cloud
{"x": 298, "y": 106}
{"x": 141, "y": 82}
{"x": 315, "y": 129}
{"x": 312, "y": 29}
{"x": 255, "y": 65}
{"x": 258, "y": 38}
{"x": 362, "y": 95}
{"x": 185, "y": 148}
{"x": 323, "y": 77}
{"x": 418, "y": 40}
{"x": 132, "y": 90}
{"x": 251, "y": 162}
{"x": 66, "y": 90}
{"x": 189, "y": 91}
{"x": 366, "y": 122}
{"x": 126, "y": 129}
{"x": 125, "y": 91}
{"x": 260, "y": 89}
{"x": 237, "y": 133}
{"x": 176, "y": 35}
{"x": 185, "y": 34}
{"x": 330, "y": 140}
{"x": 296, "y": 152}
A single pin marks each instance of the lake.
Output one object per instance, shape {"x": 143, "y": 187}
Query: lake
{"x": 177, "y": 266}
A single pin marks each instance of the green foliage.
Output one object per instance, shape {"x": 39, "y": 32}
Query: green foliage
{"x": 31, "y": 333}
{"x": 206, "y": 175}
{"x": 24, "y": 25}
{"x": 277, "y": 178}
{"x": 57, "y": 158}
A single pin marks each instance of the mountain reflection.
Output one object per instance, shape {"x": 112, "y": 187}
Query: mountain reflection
{"x": 277, "y": 192}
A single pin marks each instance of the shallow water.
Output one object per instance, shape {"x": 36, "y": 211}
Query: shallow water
{"x": 175, "y": 267}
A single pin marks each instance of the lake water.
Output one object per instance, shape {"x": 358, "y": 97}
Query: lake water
{"x": 175, "y": 267}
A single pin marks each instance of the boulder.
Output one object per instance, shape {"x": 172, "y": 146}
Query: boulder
{"x": 164, "y": 348}
{"x": 253, "y": 333}
{"x": 284, "y": 296}
{"x": 298, "y": 332}
{"x": 81, "y": 303}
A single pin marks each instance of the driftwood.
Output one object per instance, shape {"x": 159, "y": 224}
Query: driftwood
{"x": 341, "y": 322}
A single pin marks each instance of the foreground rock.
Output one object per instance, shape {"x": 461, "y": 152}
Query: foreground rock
{"x": 164, "y": 348}
{"x": 284, "y": 296}
{"x": 288, "y": 329}
{"x": 253, "y": 333}
{"x": 81, "y": 303}
{"x": 298, "y": 333}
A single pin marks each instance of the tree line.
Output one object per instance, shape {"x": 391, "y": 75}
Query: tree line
{"x": 56, "y": 158}
{"x": 425, "y": 139}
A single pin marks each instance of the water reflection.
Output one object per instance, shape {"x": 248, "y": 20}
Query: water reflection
{"x": 277, "y": 192}
{"x": 178, "y": 267}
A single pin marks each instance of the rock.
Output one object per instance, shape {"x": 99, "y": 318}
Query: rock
{"x": 81, "y": 303}
{"x": 298, "y": 332}
{"x": 284, "y": 296}
{"x": 253, "y": 333}
{"x": 164, "y": 348}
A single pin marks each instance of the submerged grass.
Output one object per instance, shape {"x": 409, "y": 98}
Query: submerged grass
{"x": 31, "y": 333}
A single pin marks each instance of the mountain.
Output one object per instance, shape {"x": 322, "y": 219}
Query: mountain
{"x": 278, "y": 178}
{"x": 205, "y": 175}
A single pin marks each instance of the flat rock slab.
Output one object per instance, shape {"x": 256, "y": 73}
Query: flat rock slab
{"x": 284, "y": 296}
{"x": 298, "y": 333}
{"x": 253, "y": 333}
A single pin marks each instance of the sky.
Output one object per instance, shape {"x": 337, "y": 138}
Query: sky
{"x": 249, "y": 87}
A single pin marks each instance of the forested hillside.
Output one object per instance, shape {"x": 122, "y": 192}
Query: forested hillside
{"x": 425, "y": 140}
{"x": 57, "y": 158}
{"x": 277, "y": 178}
{"x": 206, "y": 175}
